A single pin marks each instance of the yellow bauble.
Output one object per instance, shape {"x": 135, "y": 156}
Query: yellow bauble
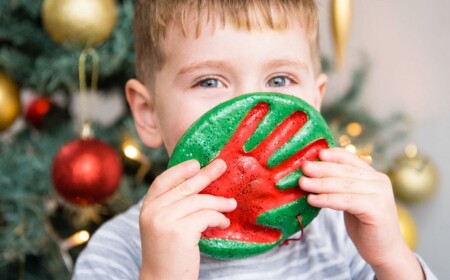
{"x": 79, "y": 22}
{"x": 9, "y": 101}
{"x": 407, "y": 227}
{"x": 413, "y": 178}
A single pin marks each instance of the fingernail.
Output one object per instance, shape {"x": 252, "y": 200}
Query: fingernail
{"x": 303, "y": 180}
{"x": 324, "y": 153}
{"x": 232, "y": 202}
{"x": 304, "y": 183}
{"x": 219, "y": 164}
{"x": 229, "y": 222}
{"x": 193, "y": 165}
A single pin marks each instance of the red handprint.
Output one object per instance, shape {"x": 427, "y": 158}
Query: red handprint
{"x": 252, "y": 182}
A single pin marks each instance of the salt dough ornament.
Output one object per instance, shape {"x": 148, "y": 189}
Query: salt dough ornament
{"x": 264, "y": 138}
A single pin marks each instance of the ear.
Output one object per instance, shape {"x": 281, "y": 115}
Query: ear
{"x": 142, "y": 107}
{"x": 320, "y": 88}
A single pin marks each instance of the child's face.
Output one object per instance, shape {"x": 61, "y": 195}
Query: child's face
{"x": 199, "y": 73}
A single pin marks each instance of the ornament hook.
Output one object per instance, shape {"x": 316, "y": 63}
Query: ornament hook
{"x": 86, "y": 131}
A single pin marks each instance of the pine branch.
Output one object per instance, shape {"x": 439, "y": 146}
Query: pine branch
{"x": 50, "y": 67}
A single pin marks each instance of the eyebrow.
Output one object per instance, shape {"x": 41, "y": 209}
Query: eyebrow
{"x": 287, "y": 62}
{"x": 222, "y": 65}
{"x": 202, "y": 64}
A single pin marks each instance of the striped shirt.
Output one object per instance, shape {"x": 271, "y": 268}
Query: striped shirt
{"x": 325, "y": 252}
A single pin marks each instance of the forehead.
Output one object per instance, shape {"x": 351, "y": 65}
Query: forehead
{"x": 233, "y": 46}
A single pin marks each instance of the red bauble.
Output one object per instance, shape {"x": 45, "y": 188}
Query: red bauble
{"x": 37, "y": 110}
{"x": 86, "y": 171}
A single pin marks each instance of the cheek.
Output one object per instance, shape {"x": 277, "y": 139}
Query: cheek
{"x": 175, "y": 127}
{"x": 306, "y": 95}
{"x": 178, "y": 124}
{"x": 310, "y": 94}
{"x": 177, "y": 117}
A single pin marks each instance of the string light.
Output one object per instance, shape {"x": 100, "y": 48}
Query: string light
{"x": 351, "y": 148}
{"x": 75, "y": 239}
{"x": 131, "y": 151}
{"x": 354, "y": 129}
{"x": 344, "y": 140}
{"x": 367, "y": 158}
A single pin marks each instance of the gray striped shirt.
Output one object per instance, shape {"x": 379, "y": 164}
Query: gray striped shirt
{"x": 325, "y": 252}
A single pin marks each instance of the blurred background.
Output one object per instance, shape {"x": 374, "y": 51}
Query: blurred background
{"x": 70, "y": 158}
{"x": 407, "y": 46}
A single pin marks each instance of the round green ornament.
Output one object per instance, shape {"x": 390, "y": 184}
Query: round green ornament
{"x": 264, "y": 138}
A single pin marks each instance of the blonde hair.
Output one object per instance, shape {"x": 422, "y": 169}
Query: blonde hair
{"x": 152, "y": 18}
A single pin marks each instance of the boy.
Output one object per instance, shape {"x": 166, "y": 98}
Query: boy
{"x": 191, "y": 56}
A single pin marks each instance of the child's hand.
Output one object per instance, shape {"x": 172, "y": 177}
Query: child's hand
{"x": 174, "y": 215}
{"x": 343, "y": 181}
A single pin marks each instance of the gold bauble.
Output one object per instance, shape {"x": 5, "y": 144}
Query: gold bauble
{"x": 413, "y": 178}
{"x": 341, "y": 18}
{"x": 10, "y": 107}
{"x": 79, "y": 22}
{"x": 407, "y": 227}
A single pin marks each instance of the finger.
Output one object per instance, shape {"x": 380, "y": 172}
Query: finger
{"x": 196, "y": 183}
{"x": 171, "y": 178}
{"x": 366, "y": 208}
{"x": 201, "y": 220}
{"x": 339, "y": 185}
{"x": 195, "y": 203}
{"x": 280, "y": 135}
{"x": 308, "y": 153}
{"x": 321, "y": 169}
{"x": 352, "y": 203}
{"x": 340, "y": 155}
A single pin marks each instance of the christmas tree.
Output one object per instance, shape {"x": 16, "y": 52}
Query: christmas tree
{"x": 39, "y": 228}
{"x": 49, "y": 80}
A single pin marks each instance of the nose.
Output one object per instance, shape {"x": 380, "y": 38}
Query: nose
{"x": 249, "y": 85}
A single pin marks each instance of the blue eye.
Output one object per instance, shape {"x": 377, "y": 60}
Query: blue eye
{"x": 210, "y": 83}
{"x": 279, "y": 81}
